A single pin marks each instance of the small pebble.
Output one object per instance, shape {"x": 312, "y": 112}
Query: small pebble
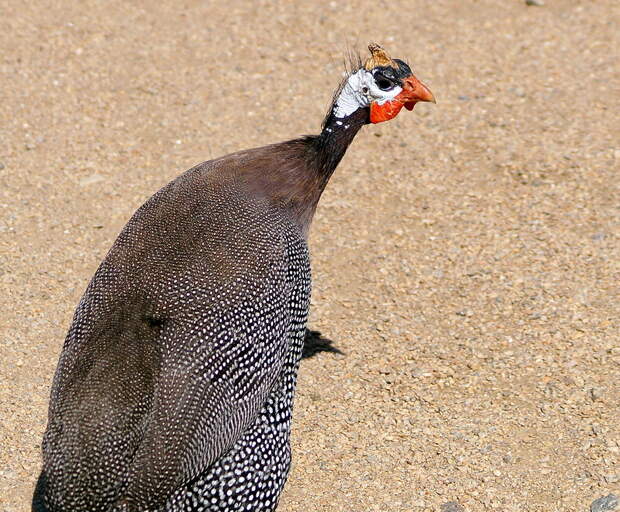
{"x": 537, "y": 3}
{"x": 605, "y": 503}
{"x": 89, "y": 180}
{"x": 1, "y": 166}
{"x": 417, "y": 373}
{"x": 452, "y": 506}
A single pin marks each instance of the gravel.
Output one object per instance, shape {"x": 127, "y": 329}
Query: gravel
{"x": 605, "y": 503}
{"x": 491, "y": 203}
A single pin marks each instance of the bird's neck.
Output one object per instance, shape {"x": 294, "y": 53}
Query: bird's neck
{"x": 307, "y": 164}
{"x": 333, "y": 141}
{"x": 324, "y": 152}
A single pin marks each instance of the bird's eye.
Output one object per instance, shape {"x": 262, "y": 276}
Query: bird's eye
{"x": 383, "y": 83}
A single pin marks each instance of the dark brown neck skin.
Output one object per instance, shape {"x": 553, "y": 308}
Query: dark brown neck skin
{"x": 335, "y": 138}
{"x": 317, "y": 158}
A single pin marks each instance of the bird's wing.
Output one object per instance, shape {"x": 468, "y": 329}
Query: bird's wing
{"x": 214, "y": 376}
{"x": 173, "y": 349}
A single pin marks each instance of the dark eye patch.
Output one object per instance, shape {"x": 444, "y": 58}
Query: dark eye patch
{"x": 396, "y": 76}
{"x": 385, "y": 79}
{"x": 383, "y": 83}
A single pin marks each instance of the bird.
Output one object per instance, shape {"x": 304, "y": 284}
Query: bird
{"x": 174, "y": 388}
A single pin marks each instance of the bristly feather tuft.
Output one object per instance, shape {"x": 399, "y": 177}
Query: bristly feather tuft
{"x": 352, "y": 62}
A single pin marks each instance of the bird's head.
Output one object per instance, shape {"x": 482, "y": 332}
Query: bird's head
{"x": 384, "y": 85}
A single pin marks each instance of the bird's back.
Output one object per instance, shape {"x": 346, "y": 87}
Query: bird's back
{"x": 176, "y": 343}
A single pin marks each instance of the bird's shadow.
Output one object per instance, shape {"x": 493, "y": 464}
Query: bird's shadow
{"x": 314, "y": 343}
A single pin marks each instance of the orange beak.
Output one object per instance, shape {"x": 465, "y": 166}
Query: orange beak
{"x": 413, "y": 91}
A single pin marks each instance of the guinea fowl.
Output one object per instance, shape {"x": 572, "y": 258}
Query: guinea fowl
{"x": 174, "y": 389}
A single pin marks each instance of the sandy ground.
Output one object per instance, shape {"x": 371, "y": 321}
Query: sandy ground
{"x": 466, "y": 256}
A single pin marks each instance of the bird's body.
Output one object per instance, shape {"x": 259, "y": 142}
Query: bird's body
{"x": 174, "y": 390}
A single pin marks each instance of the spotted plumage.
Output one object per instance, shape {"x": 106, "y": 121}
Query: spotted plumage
{"x": 174, "y": 389}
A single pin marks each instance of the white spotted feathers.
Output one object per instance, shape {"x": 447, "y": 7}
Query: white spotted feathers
{"x": 174, "y": 389}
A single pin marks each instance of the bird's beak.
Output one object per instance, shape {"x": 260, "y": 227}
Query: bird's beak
{"x": 413, "y": 91}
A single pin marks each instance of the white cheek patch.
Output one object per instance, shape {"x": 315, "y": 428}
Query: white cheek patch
{"x": 359, "y": 92}
{"x": 351, "y": 97}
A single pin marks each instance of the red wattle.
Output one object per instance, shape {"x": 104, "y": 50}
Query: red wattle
{"x": 385, "y": 112}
